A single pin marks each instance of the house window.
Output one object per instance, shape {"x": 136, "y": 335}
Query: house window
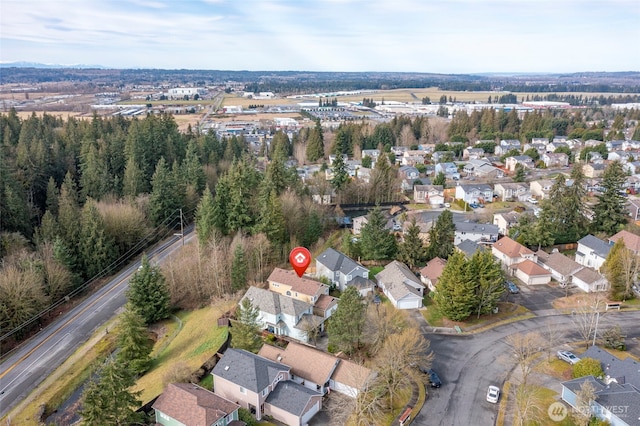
{"x": 288, "y": 293}
{"x": 243, "y": 390}
{"x": 275, "y": 284}
{"x": 265, "y": 391}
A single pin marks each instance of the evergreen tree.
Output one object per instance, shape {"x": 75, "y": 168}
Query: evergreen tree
{"x": 191, "y": 171}
{"x": 165, "y": 199}
{"x": 276, "y": 175}
{"x": 312, "y": 229}
{"x": 272, "y": 221}
{"x": 340, "y": 173}
{"x": 133, "y": 342}
{"x": 133, "y": 180}
{"x": 244, "y": 332}
{"x": 238, "y": 269}
{"x": 242, "y": 179}
{"x": 440, "y": 179}
{"x": 148, "y": 293}
{"x": 205, "y": 217}
{"x": 221, "y": 205}
{"x": 521, "y": 174}
{"x": 489, "y": 281}
{"x": 376, "y": 242}
{"x": 442, "y": 236}
{"x": 107, "y": 400}
{"x": 315, "y": 144}
{"x": 412, "y": 250}
{"x": 347, "y": 322}
{"x": 610, "y": 212}
{"x": 455, "y": 294}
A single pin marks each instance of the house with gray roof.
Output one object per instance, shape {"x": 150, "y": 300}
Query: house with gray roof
{"x": 401, "y": 286}
{"x": 343, "y": 271}
{"x": 282, "y": 315}
{"x": 589, "y": 280}
{"x": 264, "y": 387}
{"x": 475, "y": 193}
{"x": 592, "y": 252}
{"x": 468, "y": 247}
{"x": 476, "y": 232}
{"x": 617, "y": 394}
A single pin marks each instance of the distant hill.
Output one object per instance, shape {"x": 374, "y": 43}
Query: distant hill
{"x": 22, "y": 64}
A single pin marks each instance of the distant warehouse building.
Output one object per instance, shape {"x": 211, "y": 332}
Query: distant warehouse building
{"x": 181, "y": 92}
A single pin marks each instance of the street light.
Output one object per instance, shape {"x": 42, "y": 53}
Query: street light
{"x": 595, "y": 332}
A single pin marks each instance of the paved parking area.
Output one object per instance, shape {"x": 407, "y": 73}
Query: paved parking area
{"x": 536, "y": 297}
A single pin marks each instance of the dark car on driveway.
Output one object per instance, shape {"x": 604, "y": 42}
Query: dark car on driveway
{"x": 513, "y": 289}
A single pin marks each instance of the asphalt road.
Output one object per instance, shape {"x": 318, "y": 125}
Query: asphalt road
{"x": 40, "y": 356}
{"x": 468, "y": 364}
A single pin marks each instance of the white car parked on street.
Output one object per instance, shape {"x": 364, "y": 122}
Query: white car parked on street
{"x": 493, "y": 394}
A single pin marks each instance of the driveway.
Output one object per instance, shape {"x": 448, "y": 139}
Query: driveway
{"x": 536, "y": 297}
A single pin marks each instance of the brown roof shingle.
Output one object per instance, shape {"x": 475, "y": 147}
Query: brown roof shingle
{"x": 305, "y": 361}
{"x": 631, "y": 241}
{"x": 511, "y": 248}
{"x": 433, "y": 269}
{"x": 352, "y": 374}
{"x": 191, "y": 404}
{"x": 301, "y": 285}
{"x": 530, "y": 268}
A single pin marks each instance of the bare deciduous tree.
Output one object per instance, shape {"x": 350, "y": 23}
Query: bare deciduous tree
{"x": 581, "y": 415}
{"x": 528, "y": 404}
{"x": 586, "y": 316}
{"x": 551, "y": 336}
{"x": 524, "y": 348}
{"x": 383, "y": 320}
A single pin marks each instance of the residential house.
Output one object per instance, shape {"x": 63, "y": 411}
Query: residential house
{"x": 443, "y": 156}
{"x": 631, "y": 241}
{"x": 504, "y": 221}
{"x": 322, "y": 196}
{"x": 413, "y": 157}
{"x": 471, "y": 166}
{"x": 489, "y": 172}
{"x": 409, "y": 184}
{"x": 560, "y": 138}
{"x": 449, "y": 169}
{"x": 471, "y": 153}
{"x": 592, "y": 252}
{"x": 476, "y": 232}
{"x": 524, "y": 160}
{"x": 469, "y": 247}
{"x": 511, "y": 191}
{"x": 399, "y": 151}
{"x": 401, "y": 286}
{"x": 631, "y": 145}
{"x": 351, "y": 378}
{"x": 621, "y": 156}
{"x": 617, "y": 404}
{"x": 589, "y": 280}
{"x": 282, "y": 315}
{"x": 310, "y": 367}
{"x": 561, "y": 267}
{"x": 632, "y": 167}
{"x": 475, "y": 193}
{"x": 374, "y": 154}
{"x": 288, "y": 283}
{"x": 593, "y": 170}
{"x": 553, "y": 146}
{"x": 190, "y": 404}
{"x": 617, "y": 145}
{"x": 538, "y": 140}
{"x": 540, "y": 188}
{"x": 343, "y": 271}
{"x": 510, "y": 253}
{"x": 264, "y": 387}
{"x": 552, "y": 159}
{"x": 633, "y": 207}
{"x": 332, "y": 158}
{"x": 408, "y": 172}
{"x": 431, "y": 272}
{"x": 531, "y": 273}
{"x": 431, "y": 194}
{"x": 506, "y": 146}
{"x": 540, "y": 148}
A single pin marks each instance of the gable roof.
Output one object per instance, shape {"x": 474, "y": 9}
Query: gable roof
{"x": 399, "y": 280}
{"x": 612, "y": 395}
{"x": 469, "y": 247}
{"x": 511, "y": 248}
{"x": 248, "y": 370}
{"x": 531, "y": 268}
{"x": 191, "y": 404}
{"x": 291, "y": 397}
{"x": 352, "y": 374}
{"x": 433, "y": 269}
{"x": 299, "y": 284}
{"x": 305, "y": 361}
{"x": 275, "y": 303}
{"x": 623, "y": 370}
{"x": 324, "y": 302}
{"x": 588, "y": 275}
{"x": 336, "y": 261}
{"x": 476, "y": 228}
{"x": 631, "y": 241}
{"x": 482, "y": 187}
{"x": 601, "y": 248}
{"x": 558, "y": 262}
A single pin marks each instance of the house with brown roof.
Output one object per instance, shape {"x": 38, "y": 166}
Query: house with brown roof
{"x": 431, "y": 272}
{"x": 561, "y": 267}
{"x": 510, "y": 252}
{"x": 531, "y": 273}
{"x": 190, "y": 404}
{"x": 288, "y": 283}
{"x": 401, "y": 286}
{"x": 351, "y": 378}
{"x": 310, "y": 367}
{"x": 264, "y": 387}
{"x": 631, "y": 241}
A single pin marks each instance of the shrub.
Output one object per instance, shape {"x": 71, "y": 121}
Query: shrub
{"x": 587, "y": 367}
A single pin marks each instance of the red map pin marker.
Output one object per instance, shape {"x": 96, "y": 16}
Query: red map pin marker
{"x": 300, "y": 258}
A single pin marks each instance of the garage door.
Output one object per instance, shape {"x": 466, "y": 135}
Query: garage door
{"x": 409, "y": 303}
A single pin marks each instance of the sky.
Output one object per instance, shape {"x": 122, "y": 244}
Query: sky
{"x": 440, "y": 36}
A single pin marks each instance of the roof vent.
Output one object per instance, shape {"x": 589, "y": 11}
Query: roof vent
{"x": 226, "y": 368}
{"x": 279, "y": 358}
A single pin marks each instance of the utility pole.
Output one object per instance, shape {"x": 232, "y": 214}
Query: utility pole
{"x": 181, "y": 234}
{"x": 595, "y": 332}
